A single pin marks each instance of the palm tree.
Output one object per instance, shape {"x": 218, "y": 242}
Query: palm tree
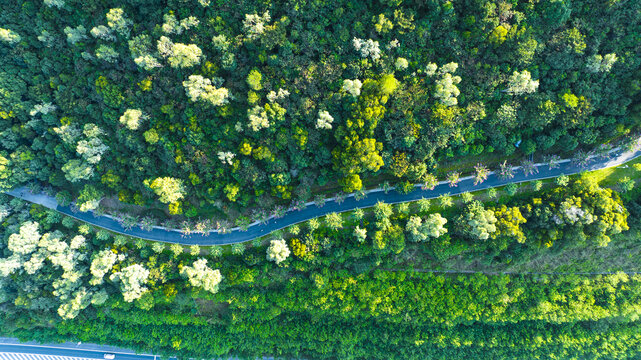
{"x": 505, "y": 171}
{"x": 454, "y": 177}
{"x": 298, "y": 205}
{"x": 632, "y": 143}
{"x": 262, "y": 216}
{"x": 581, "y": 159}
{"x": 186, "y": 229}
{"x": 203, "y": 227}
{"x": 147, "y": 223}
{"x": 481, "y": 172}
{"x": 340, "y": 197}
{"x": 129, "y": 221}
{"x": 553, "y": 161}
{"x": 430, "y": 182}
{"x": 279, "y": 211}
{"x": 319, "y": 200}
{"x": 528, "y": 167}
{"x": 603, "y": 151}
{"x": 223, "y": 227}
{"x": 387, "y": 187}
{"x": 243, "y": 223}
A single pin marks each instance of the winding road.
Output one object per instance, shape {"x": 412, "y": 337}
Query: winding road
{"x": 255, "y": 230}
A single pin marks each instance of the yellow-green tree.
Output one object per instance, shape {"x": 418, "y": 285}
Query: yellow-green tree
{"x": 168, "y": 189}
{"x": 508, "y": 225}
{"x": 358, "y": 150}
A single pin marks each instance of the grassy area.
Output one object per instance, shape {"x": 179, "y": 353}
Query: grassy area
{"x": 622, "y": 254}
{"x": 611, "y": 176}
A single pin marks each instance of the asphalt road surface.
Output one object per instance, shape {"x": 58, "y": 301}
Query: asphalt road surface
{"x": 11, "y": 349}
{"x": 256, "y": 230}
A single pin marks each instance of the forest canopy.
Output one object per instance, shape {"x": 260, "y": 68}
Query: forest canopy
{"x": 209, "y": 114}
{"x": 249, "y": 105}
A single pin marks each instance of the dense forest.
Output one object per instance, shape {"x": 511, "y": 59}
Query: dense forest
{"x": 215, "y": 113}
{"x": 220, "y": 108}
{"x": 353, "y": 286}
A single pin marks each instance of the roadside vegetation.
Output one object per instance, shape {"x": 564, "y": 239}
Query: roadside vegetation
{"x": 96, "y": 286}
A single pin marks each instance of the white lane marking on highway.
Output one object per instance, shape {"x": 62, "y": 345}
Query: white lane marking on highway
{"x": 99, "y": 351}
{"x": 23, "y": 356}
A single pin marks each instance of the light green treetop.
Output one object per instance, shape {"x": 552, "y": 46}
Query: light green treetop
{"x": 169, "y": 189}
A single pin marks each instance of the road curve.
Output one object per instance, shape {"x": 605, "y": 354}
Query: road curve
{"x": 566, "y": 167}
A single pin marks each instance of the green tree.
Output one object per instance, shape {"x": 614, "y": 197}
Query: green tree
{"x": 101, "y": 263}
{"x": 363, "y": 155}
{"x": 151, "y": 136}
{"x": 168, "y": 189}
{"x": 334, "y": 221}
{"x": 512, "y": 189}
{"x": 508, "y": 226}
{"x": 132, "y": 118}
{"x": 360, "y": 234}
{"x": 232, "y": 192}
{"x": 9, "y": 37}
{"x": 278, "y": 251}
{"x": 107, "y": 53}
{"x": 445, "y": 200}
{"x": 118, "y": 22}
{"x": 201, "y": 275}
{"x": 254, "y": 80}
{"x": 131, "y": 279}
{"x": 382, "y": 24}
{"x": 26, "y": 240}
{"x": 424, "y": 205}
{"x": 199, "y": 88}
{"x": 351, "y": 183}
{"x": 77, "y": 170}
{"x": 432, "y": 227}
{"x": 555, "y": 12}
{"x": 477, "y": 222}
{"x": 498, "y": 35}
{"x": 467, "y": 197}
{"x": 521, "y": 83}
{"x": 89, "y": 198}
{"x": 626, "y": 184}
{"x": 184, "y": 56}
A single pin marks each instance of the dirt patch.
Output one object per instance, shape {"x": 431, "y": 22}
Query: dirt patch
{"x": 212, "y": 309}
{"x": 114, "y": 206}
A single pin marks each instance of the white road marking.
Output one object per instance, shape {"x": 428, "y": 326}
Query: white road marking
{"x": 22, "y": 356}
